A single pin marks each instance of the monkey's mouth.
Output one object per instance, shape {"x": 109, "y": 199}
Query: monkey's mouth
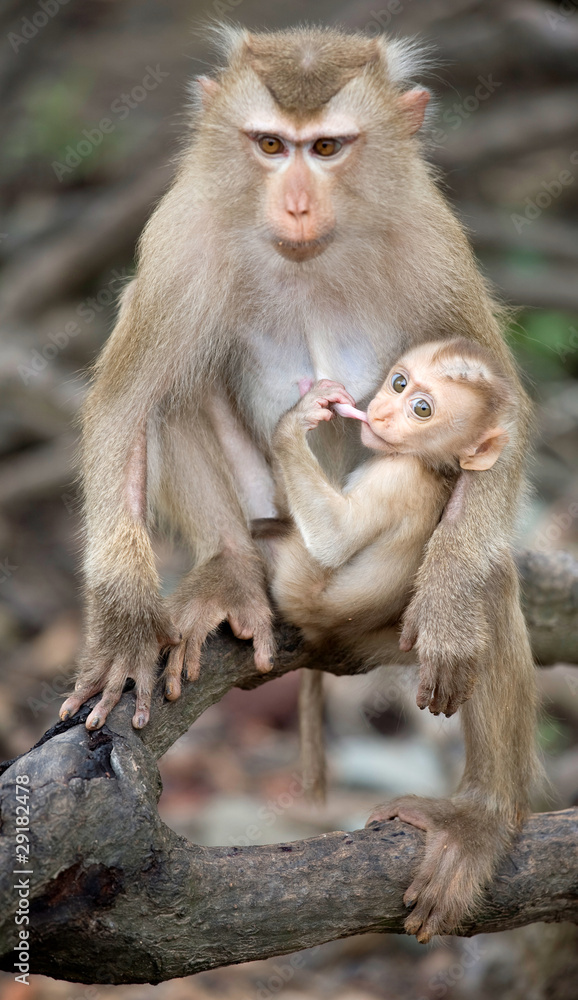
{"x": 375, "y": 441}
{"x": 299, "y": 250}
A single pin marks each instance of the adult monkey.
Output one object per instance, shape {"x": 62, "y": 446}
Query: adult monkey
{"x": 303, "y": 235}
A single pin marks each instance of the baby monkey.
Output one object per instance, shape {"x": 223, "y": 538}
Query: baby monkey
{"x": 346, "y": 570}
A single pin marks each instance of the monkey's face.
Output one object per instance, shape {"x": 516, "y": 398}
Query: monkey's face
{"x": 418, "y": 411}
{"x": 301, "y": 169}
{"x": 301, "y": 182}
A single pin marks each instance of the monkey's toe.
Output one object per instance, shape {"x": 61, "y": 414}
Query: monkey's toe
{"x": 174, "y": 670}
{"x": 72, "y": 704}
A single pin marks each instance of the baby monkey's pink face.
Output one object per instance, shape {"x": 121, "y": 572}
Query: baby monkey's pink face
{"x": 421, "y": 411}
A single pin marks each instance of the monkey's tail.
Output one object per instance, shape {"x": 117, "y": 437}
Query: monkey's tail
{"x": 312, "y": 744}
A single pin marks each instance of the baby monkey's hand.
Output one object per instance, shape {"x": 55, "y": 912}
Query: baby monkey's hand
{"x": 315, "y": 404}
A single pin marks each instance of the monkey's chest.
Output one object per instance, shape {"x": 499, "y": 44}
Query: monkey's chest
{"x": 274, "y": 367}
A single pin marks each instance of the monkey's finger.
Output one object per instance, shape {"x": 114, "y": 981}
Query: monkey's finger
{"x": 174, "y": 670}
{"x": 408, "y": 637}
{"x": 77, "y": 700}
{"x": 382, "y": 814}
{"x": 325, "y": 384}
{"x": 111, "y": 697}
{"x": 414, "y": 894}
{"x": 143, "y": 704}
{"x": 424, "y": 694}
{"x": 418, "y": 923}
{"x": 169, "y": 635}
{"x": 239, "y": 628}
{"x": 438, "y": 701}
{"x": 264, "y": 649}
{"x": 192, "y": 666}
{"x": 340, "y": 395}
{"x": 453, "y": 703}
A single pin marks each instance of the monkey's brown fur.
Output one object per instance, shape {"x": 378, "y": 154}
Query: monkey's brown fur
{"x": 254, "y": 273}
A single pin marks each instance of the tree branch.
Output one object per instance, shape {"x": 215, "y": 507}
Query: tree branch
{"x": 115, "y": 896}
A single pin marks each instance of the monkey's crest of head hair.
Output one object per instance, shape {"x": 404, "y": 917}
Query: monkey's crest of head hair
{"x": 469, "y": 363}
{"x": 304, "y": 67}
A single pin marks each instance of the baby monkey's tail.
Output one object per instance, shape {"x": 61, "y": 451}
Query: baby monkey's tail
{"x": 312, "y": 744}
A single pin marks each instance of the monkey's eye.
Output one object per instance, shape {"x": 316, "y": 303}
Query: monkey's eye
{"x": 327, "y": 147}
{"x": 421, "y": 408}
{"x": 271, "y": 144}
{"x": 398, "y": 383}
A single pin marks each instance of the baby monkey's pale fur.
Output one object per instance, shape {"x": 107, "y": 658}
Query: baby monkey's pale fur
{"x": 350, "y": 564}
{"x": 345, "y": 572}
{"x": 303, "y": 235}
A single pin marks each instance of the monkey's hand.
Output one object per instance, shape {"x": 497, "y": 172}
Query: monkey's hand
{"x": 315, "y": 405}
{"x": 230, "y": 587}
{"x": 124, "y": 638}
{"x": 463, "y": 843}
{"x": 449, "y": 633}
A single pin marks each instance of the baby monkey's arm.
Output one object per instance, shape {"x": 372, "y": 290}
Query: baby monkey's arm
{"x": 333, "y": 526}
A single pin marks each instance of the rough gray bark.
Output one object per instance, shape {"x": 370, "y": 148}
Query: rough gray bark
{"x": 115, "y": 896}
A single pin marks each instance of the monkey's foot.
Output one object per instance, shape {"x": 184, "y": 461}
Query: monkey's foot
{"x": 108, "y": 660}
{"x": 220, "y": 590}
{"x": 463, "y": 844}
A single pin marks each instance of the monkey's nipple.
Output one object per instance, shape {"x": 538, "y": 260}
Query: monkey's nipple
{"x": 346, "y": 410}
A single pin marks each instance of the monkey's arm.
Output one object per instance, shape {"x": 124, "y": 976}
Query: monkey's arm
{"x": 334, "y": 526}
{"x": 126, "y": 621}
{"x": 446, "y": 619}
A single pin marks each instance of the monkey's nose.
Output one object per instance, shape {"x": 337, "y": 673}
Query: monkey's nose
{"x": 297, "y": 204}
{"x": 380, "y": 414}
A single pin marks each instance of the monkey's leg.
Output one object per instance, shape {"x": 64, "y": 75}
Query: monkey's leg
{"x": 467, "y": 835}
{"x": 126, "y": 621}
{"x": 196, "y": 493}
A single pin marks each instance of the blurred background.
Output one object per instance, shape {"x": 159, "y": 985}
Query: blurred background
{"x": 92, "y": 115}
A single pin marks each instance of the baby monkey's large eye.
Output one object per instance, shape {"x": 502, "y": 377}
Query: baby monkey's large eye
{"x": 271, "y": 144}
{"x": 421, "y": 408}
{"x": 398, "y": 383}
{"x": 327, "y": 147}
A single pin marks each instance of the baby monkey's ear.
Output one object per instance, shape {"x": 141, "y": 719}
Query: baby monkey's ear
{"x": 486, "y": 451}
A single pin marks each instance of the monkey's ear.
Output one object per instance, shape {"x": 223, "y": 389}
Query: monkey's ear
{"x": 208, "y": 88}
{"x": 413, "y": 104}
{"x": 486, "y": 452}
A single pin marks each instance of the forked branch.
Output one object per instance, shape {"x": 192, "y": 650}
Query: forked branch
{"x": 115, "y": 896}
